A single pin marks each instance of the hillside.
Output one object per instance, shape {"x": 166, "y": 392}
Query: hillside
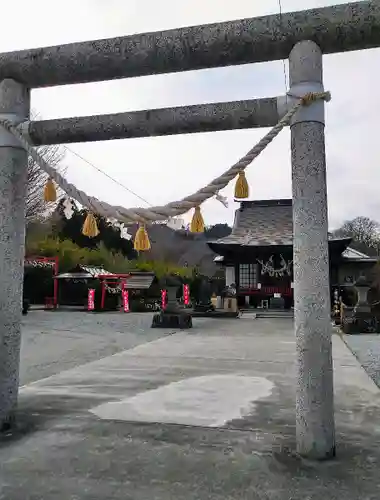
{"x": 179, "y": 247}
{"x": 183, "y": 247}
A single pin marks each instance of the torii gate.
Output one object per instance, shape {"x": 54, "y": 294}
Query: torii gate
{"x": 301, "y": 36}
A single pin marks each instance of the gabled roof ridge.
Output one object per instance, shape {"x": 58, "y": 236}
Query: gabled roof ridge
{"x": 273, "y": 202}
{"x": 357, "y": 255}
{"x": 357, "y": 252}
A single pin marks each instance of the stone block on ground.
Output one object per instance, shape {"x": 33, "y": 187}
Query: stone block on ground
{"x": 179, "y": 319}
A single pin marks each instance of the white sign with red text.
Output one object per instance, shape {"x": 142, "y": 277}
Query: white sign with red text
{"x": 91, "y": 299}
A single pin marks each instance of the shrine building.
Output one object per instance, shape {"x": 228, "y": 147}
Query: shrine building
{"x": 258, "y": 256}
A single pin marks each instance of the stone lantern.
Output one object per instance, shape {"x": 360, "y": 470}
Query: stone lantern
{"x": 362, "y": 286}
{"x": 171, "y": 284}
{"x": 362, "y": 319}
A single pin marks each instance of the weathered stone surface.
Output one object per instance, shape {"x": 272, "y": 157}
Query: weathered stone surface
{"x": 157, "y": 122}
{"x": 14, "y": 102}
{"x": 179, "y": 319}
{"x": 315, "y": 408}
{"x": 338, "y": 28}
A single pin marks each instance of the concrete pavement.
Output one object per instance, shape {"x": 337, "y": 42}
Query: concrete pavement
{"x": 367, "y": 350}
{"x": 202, "y": 415}
{"x": 53, "y": 341}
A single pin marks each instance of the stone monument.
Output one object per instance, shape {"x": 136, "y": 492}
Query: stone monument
{"x": 229, "y": 298}
{"x": 172, "y": 316}
{"x": 204, "y": 303}
{"x": 277, "y": 302}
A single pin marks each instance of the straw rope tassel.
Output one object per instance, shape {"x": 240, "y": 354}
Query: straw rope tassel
{"x": 197, "y": 223}
{"x": 90, "y": 227}
{"x": 241, "y": 186}
{"x": 50, "y": 193}
{"x": 141, "y": 243}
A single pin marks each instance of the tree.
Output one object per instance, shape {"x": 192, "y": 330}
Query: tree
{"x": 365, "y": 233}
{"x": 36, "y": 207}
{"x": 71, "y": 229}
{"x": 218, "y": 231}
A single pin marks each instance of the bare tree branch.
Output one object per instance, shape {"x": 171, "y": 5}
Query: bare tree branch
{"x": 36, "y": 207}
{"x": 361, "y": 229}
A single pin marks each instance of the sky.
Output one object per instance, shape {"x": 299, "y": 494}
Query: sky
{"x": 165, "y": 169}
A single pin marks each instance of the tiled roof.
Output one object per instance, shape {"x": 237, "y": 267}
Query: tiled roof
{"x": 140, "y": 281}
{"x": 95, "y": 271}
{"x": 262, "y": 223}
{"x": 84, "y": 272}
{"x": 37, "y": 263}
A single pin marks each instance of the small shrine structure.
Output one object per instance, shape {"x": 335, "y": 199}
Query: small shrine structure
{"x": 74, "y": 284}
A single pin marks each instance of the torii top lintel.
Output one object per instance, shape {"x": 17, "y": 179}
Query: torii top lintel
{"x": 339, "y": 28}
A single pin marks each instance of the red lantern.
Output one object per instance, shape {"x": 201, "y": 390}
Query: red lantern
{"x": 125, "y": 296}
{"x": 186, "y": 295}
{"x": 91, "y": 299}
{"x": 163, "y": 299}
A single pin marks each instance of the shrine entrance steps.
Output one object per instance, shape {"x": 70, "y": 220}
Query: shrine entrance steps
{"x": 269, "y": 313}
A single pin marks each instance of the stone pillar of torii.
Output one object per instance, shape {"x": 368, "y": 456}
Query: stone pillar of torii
{"x": 302, "y": 37}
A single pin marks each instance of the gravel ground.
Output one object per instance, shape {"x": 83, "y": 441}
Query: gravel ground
{"x": 60, "y": 340}
{"x": 366, "y": 348}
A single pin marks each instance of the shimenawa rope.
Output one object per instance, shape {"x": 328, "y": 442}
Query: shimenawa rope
{"x": 144, "y": 215}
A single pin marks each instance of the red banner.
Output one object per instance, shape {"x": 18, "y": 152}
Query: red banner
{"x": 91, "y": 299}
{"x": 163, "y": 299}
{"x": 186, "y": 295}
{"x": 125, "y": 295}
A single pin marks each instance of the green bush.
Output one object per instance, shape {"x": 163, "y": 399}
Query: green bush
{"x": 40, "y": 284}
{"x": 70, "y": 255}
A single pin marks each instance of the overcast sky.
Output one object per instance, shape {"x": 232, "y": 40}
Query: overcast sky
{"x": 165, "y": 169}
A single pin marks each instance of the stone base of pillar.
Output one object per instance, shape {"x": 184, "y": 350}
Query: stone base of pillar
{"x": 179, "y": 319}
